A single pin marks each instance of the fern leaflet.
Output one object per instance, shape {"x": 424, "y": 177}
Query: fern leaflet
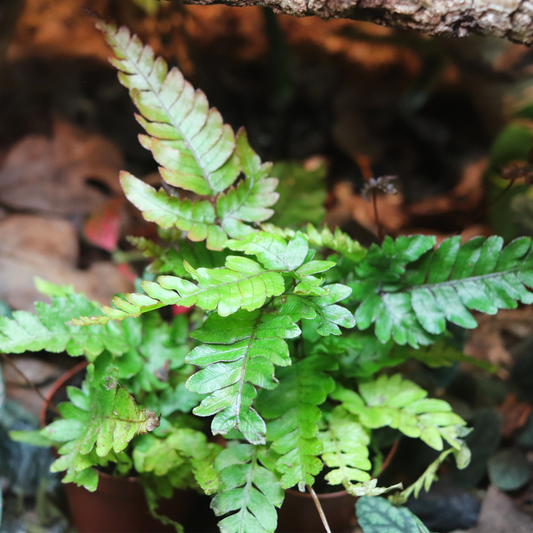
{"x": 402, "y": 405}
{"x": 48, "y": 330}
{"x": 95, "y": 425}
{"x": 294, "y": 406}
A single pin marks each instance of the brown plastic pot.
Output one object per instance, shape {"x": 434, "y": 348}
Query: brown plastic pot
{"x": 118, "y": 505}
{"x": 298, "y": 514}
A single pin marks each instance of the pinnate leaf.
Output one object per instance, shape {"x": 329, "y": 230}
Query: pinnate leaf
{"x": 248, "y": 488}
{"x": 233, "y": 366}
{"x": 409, "y": 291}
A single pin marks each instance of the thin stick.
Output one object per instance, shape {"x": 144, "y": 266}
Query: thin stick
{"x": 319, "y": 508}
{"x": 29, "y": 382}
{"x": 376, "y": 217}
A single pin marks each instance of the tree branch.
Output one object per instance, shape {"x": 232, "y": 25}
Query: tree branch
{"x": 511, "y": 19}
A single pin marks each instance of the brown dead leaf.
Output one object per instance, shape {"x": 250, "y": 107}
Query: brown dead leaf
{"x": 500, "y": 515}
{"x": 487, "y": 341}
{"x": 71, "y": 173}
{"x": 514, "y": 415}
{"x": 35, "y": 246}
{"x": 352, "y": 206}
{"x": 465, "y": 196}
{"x": 58, "y": 27}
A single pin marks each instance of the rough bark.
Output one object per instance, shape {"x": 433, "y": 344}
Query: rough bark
{"x": 511, "y": 19}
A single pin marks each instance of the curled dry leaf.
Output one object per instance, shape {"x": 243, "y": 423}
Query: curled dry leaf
{"x": 71, "y": 173}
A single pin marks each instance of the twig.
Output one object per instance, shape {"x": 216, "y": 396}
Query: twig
{"x": 30, "y": 383}
{"x": 319, "y": 508}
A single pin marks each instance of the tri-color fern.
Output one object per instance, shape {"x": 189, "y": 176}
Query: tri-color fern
{"x": 271, "y": 294}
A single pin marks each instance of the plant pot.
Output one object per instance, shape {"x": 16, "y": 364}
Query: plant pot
{"x": 118, "y": 505}
{"x": 298, "y": 514}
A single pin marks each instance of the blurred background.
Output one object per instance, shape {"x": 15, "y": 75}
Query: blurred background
{"x": 338, "y": 102}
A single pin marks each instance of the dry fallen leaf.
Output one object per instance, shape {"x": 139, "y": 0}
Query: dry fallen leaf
{"x": 71, "y": 173}
{"x": 58, "y": 27}
{"x": 499, "y": 515}
{"x": 36, "y": 246}
{"x": 514, "y": 415}
{"x": 487, "y": 340}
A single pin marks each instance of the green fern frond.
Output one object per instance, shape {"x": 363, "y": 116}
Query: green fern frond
{"x": 95, "y": 425}
{"x": 402, "y": 405}
{"x": 170, "y": 260}
{"x": 410, "y": 290}
{"x": 242, "y": 284}
{"x": 239, "y": 354}
{"x": 462, "y": 458}
{"x": 339, "y": 242}
{"x": 48, "y": 330}
{"x": 294, "y": 406}
{"x": 196, "y": 151}
{"x": 302, "y": 194}
{"x": 182, "y": 453}
{"x": 345, "y": 445}
{"x": 248, "y": 488}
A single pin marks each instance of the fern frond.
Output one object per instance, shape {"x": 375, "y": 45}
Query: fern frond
{"x": 189, "y": 140}
{"x": 238, "y": 354}
{"x": 48, "y": 330}
{"x": 294, "y": 406}
{"x": 402, "y": 405}
{"x": 248, "y": 488}
{"x": 170, "y": 260}
{"x": 94, "y": 425}
{"x": 302, "y": 194}
{"x": 196, "y": 151}
{"x": 180, "y": 454}
{"x": 410, "y": 290}
{"x": 242, "y": 284}
{"x": 339, "y": 242}
{"x": 345, "y": 445}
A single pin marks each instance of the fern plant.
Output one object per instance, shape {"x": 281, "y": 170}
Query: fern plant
{"x": 293, "y": 328}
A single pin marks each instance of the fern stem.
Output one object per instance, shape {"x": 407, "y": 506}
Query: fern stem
{"x": 319, "y": 508}
{"x": 30, "y": 383}
{"x": 390, "y": 455}
{"x": 379, "y": 227}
